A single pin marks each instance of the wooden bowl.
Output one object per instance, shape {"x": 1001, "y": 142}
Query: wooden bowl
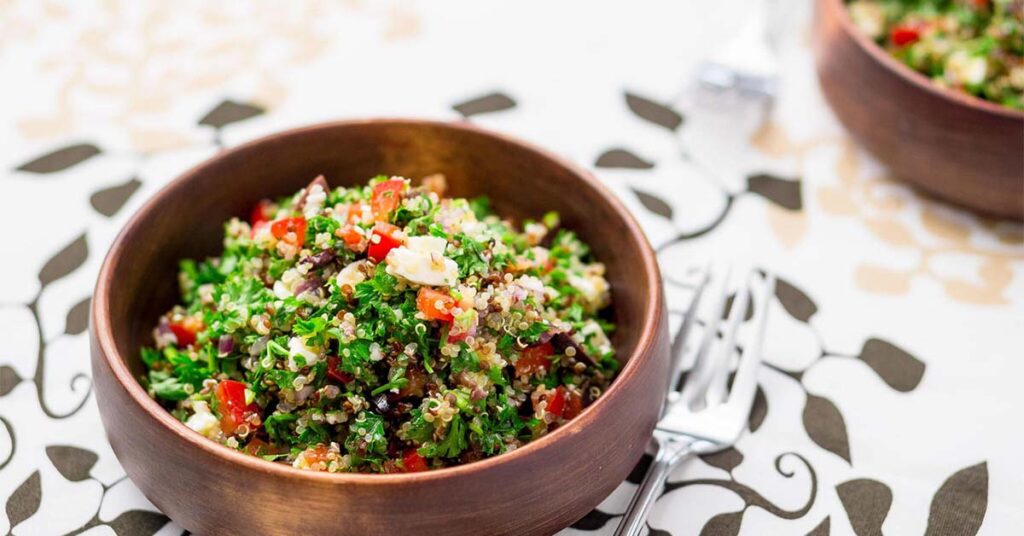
{"x": 537, "y": 489}
{"x": 958, "y": 147}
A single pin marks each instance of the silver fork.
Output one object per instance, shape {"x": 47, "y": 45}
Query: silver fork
{"x": 707, "y": 415}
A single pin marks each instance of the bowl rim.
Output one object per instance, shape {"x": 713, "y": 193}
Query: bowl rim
{"x": 644, "y": 351}
{"x": 915, "y": 78}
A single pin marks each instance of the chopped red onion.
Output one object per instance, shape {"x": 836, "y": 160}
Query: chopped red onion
{"x": 310, "y": 284}
{"x": 225, "y": 345}
{"x": 320, "y": 260}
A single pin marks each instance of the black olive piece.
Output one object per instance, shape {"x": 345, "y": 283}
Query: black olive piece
{"x": 380, "y": 404}
{"x": 562, "y": 340}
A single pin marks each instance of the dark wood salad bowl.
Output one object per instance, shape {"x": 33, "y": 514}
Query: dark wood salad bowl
{"x": 537, "y": 489}
{"x": 958, "y": 147}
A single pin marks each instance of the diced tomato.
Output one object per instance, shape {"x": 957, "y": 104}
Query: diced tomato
{"x": 261, "y": 212}
{"x": 573, "y": 404}
{"x": 413, "y": 462}
{"x": 316, "y": 454}
{"x": 980, "y": 4}
{"x": 557, "y": 402}
{"x": 386, "y": 197}
{"x": 904, "y": 34}
{"x": 334, "y": 371}
{"x": 417, "y": 382}
{"x": 290, "y": 230}
{"x": 453, "y": 335}
{"x": 434, "y": 304}
{"x": 536, "y": 358}
{"x": 186, "y": 330}
{"x": 231, "y": 405}
{"x": 384, "y": 239}
{"x": 354, "y": 213}
{"x": 257, "y": 447}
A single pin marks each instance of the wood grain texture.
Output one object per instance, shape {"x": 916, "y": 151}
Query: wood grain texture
{"x": 538, "y": 489}
{"x": 955, "y": 146}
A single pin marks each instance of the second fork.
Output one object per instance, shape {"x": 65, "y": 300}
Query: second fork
{"x": 708, "y": 415}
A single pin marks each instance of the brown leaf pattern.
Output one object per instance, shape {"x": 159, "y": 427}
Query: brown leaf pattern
{"x": 794, "y": 300}
{"x": 823, "y": 528}
{"x": 138, "y": 523}
{"x": 867, "y": 504}
{"x": 230, "y": 111}
{"x": 783, "y": 192}
{"x": 492, "y": 102}
{"x": 65, "y": 261}
{"x": 109, "y": 201}
{"x": 78, "y": 317}
{"x": 726, "y": 459}
{"x": 72, "y": 462}
{"x": 654, "y": 203}
{"x": 25, "y": 500}
{"x": 727, "y": 524}
{"x": 960, "y": 504}
{"x": 825, "y": 426}
{"x": 623, "y": 159}
{"x": 654, "y": 112}
{"x": 9, "y": 379}
{"x": 61, "y": 159}
{"x": 894, "y": 365}
{"x": 759, "y": 411}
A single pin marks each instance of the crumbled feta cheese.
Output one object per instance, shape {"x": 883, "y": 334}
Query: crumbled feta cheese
{"x": 868, "y": 17}
{"x": 422, "y": 261}
{"x": 427, "y": 244}
{"x": 351, "y": 275}
{"x": 964, "y": 69}
{"x": 592, "y": 288}
{"x": 298, "y": 348}
{"x": 285, "y": 286}
{"x": 592, "y": 331}
{"x": 203, "y": 421}
{"x": 534, "y": 286}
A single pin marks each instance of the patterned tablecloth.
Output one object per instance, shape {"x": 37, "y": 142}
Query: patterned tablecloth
{"x": 890, "y": 399}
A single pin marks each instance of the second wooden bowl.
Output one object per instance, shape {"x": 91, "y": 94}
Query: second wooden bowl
{"x": 958, "y": 147}
{"x": 538, "y": 489}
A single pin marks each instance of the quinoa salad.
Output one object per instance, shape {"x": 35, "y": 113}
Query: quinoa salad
{"x": 383, "y": 328}
{"x": 973, "y": 46}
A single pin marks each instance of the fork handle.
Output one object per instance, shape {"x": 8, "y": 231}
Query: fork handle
{"x": 670, "y": 452}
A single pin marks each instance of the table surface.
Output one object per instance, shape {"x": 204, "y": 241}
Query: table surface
{"x": 890, "y": 394}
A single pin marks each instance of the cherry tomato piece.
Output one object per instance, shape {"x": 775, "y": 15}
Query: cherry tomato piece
{"x": 904, "y": 34}
{"x": 434, "y": 304}
{"x": 536, "y": 358}
{"x": 412, "y": 462}
{"x": 384, "y": 239}
{"x": 290, "y": 230}
{"x": 386, "y": 197}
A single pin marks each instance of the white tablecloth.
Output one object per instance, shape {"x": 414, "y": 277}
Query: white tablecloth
{"x": 890, "y": 399}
